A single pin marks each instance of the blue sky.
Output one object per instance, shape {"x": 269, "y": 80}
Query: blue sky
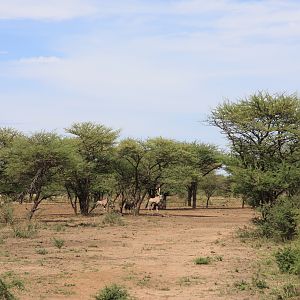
{"x": 148, "y": 67}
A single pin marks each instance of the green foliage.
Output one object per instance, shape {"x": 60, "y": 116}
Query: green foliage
{"x": 113, "y": 218}
{"x": 241, "y": 285}
{"x": 59, "y": 227}
{"x": 92, "y": 155}
{"x": 202, "y": 260}
{"x": 58, "y": 243}
{"x": 288, "y": 260}
{"x": 5, "y": 294}
{"x": 25, "y": 230}
{"x": 259, "y": 283}
{"x": 289, "y": 291}
{"x": 113, "y": 292}
{"x": 42, "y": 251}
{"x": 263, "y": 130}
{"x": 279, "y": 221}
{"x": 7, "y": 214}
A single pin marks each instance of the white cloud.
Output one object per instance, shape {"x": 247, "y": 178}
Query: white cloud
{"x": 166, "y": 64}
{"x": 45, "y": 9}
{"x": 39, "y": 60}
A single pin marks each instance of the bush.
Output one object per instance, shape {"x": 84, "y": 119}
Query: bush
{"x": 5, "y": 294}
{"x": 202, "y": 260}
{"x": 113, "y": 292}
{"x": 25, "y": 230}
{"x": 58, "y": 243}
{"x": 288, "y": 291}
{"x": 113, "y": 218}
{"x": 288, "y": 260}
{"x": 7, "y": 214}
{"x": 279, "y": 221}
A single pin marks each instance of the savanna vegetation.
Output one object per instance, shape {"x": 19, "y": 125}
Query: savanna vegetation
{"x": 91, "y": 163}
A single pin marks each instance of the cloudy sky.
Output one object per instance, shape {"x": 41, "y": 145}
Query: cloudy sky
{"x": 150, "y": 68}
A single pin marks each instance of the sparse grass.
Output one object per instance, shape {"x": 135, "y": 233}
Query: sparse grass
{"x": 59, "y": 227}
{"x": 202, "y": 260}
{"x": 188, "y": 280}
{"x": 113, "y": 292}
{"x": 5, "y": 293}
{"x": 58, "y": 243}
{"x": 7, "y": 214}
{"x": 289, "y": 290}
{"x": 25, "y": 230}
{"x": 42, "y": 251}
{"x": 241, "y": 285}
{"x": 113, "y": 218}
{"x": 144, "y": 281}
{"x": 218, "y": 258}
{"x": 259, "y": 283}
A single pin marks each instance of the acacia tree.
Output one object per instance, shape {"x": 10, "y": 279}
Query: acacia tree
{"x": 203, "y": 160}
{"x": 209, "y": 185}
{"x": 141, "y": 164}
{"x": 34, "y": 166}
{"x": 264, "y": 132}
{"x": 7, "y": 137}
{"x": 92, "y": 154}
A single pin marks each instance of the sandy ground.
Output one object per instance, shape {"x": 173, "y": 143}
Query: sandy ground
{"x": 151, "y": 255}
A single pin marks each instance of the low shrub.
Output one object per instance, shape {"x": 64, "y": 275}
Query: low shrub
{"x": 288, "y": 260}
{"x": 58, "y": 243}
{"x": 241, "y": 285}
{"x": 5, "y": 294}
{"x": 288, "y": 291}
{"x": 202, "y": 260}
{"x": 112, "y": 218}
{"x": 279, "y": 221}
{"x": 113, "y": 292}
{"x": 42, "y": 251}
{"x": 7, "y": 214}
{"x": 25, "y": 230}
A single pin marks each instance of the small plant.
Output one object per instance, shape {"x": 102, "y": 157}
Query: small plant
{"x": 42, "y": 251}
{"x": 288, "y": 260}
{"x": 113, "y": 292}
{"x": 202, "y": 260}
{"x": 290, "y": 290}
{"x": 25, "y": 231}
{"x": 18, "y": 283}
{"x": 5, "y": 294}
{"x": 59, "y": 227}
{"x": 58, "y": 243}
{"x": 144, "y": 281}
{"x": 259, "y": 283}
{"x": 219, "y": 258}
{"x": 112, "y": 218}
{"x": 241, "y": 285}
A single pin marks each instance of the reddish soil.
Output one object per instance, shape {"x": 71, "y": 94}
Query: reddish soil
{"x": 151, "y": 255}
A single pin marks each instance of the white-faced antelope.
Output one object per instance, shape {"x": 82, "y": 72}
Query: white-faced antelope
{"x": 102, "y": 203}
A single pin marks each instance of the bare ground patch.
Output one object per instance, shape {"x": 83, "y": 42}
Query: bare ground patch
{"x": 152, "y": 255}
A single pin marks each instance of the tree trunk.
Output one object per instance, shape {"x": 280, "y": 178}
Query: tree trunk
{"x": 189, "y": 197}
{"x": 194, "y": 194}
{"x": 164, "y": 201}
{"x": 84, "y": 205}
{"x": 35, "y": 205}
{"x": 207, "y": 200}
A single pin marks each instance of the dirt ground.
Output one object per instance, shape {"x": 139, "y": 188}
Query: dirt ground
{"x": 151, "y": 255}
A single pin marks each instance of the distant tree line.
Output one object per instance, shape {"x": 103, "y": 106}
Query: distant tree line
{"x": 91, "y": 162}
